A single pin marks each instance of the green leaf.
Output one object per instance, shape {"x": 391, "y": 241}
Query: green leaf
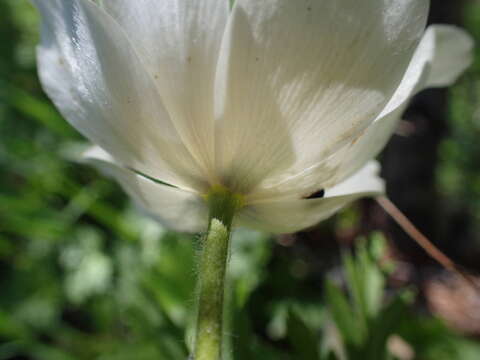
{"x": 373, "y": 280}
{"x": 345, "y": 319}
{"x": 385, "y": 325}
{"x": 356, "y": 285}
{"x": 303, "y": 340}
{"x": 38, "y": 110}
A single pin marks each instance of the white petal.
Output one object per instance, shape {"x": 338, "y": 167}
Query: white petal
{"x": 95, "y": 78}
{"x": 293, "y": 214}
{"x": 441, "y": 45}
{"x": 179, "y": 41}
{"x": 298, "y": 79}
{"x": 443, "y": 55}
{"x": 452, "y": 54}
{"x": 175, "y": 208}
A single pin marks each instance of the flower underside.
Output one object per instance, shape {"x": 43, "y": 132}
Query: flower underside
{"x": 193, "y": 95}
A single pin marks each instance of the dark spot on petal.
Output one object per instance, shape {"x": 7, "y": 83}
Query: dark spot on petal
{"x": 309, "y": 8}
{"x": 189, "y": 59}
{"x": 257, "y": 58}
{"x": 316, "y": 195}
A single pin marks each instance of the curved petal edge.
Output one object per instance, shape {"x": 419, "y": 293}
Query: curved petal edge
{"x": 175, "y": 208}
{"x": 288, "y": 215}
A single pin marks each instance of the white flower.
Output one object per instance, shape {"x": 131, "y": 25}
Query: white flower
{"x": 277, "y": 100}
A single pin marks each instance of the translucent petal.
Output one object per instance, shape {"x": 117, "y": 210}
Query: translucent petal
{"x": 299, "y": 79}
{"x": 96, "y": 79}
{"x": 442, "y": 47}
{"x": 175, "y": 208}
{"x": 179, "y": 42}
{"x": 290, "y": 214}
{"x": 443, "y": 55}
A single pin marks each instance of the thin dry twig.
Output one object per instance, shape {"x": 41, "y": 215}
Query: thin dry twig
{"x": 423, "y": 241}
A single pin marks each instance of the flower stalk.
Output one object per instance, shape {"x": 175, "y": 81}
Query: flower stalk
{"x": 212, "y": 269}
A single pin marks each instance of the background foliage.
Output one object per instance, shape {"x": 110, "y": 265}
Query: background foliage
{"x": 83, "y": 275}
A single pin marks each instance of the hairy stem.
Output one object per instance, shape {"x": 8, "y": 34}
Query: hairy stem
{"x": 212, "y": 270}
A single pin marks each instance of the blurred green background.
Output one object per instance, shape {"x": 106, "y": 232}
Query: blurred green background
{"x": 83, "y": 275}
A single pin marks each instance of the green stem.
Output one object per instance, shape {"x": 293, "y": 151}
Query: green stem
{"x": 213, "y": 263}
